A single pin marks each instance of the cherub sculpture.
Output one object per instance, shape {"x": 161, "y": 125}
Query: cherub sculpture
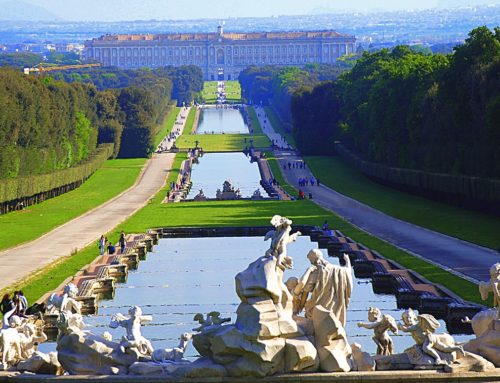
{"x": 213, "y": 319}
{"x": 493, "y": 286}
{"x": 381, "y": 325}
{"x": 280, "y": 238}
{"x": 165, "y": 355}
{"x": 10, "y": 343}
{"x": 422, "y": 329}
{"x": 134, "y": 340}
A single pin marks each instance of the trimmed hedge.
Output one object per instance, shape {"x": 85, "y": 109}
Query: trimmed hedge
{"x": 466, "y": 187}
{"x": 13, "y": 189}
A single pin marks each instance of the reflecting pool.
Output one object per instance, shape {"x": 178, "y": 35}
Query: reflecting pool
{"x": 215, "y": 168}
{"x": 184, "y": 276}
{"x": 218, "y": 121}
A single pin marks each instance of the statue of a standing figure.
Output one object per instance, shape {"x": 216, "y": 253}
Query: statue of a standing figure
{"x": 134, "y": 339}
{"x": 280, "y": 238}
{"x": 493, "y": 286}
{"x": 329, "y": 286}
{"x": 381, "y": 325}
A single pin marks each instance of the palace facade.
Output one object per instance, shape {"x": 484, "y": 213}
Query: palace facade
{"x": 221, "y": 56}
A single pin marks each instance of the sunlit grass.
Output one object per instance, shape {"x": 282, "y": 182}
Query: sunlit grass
{"x": 222, "y": 142}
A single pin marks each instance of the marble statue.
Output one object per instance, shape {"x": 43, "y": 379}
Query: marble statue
{"x": 228, "y": 192}
{"x": 280, "y": 238}
{"x": 83, "y": 353}
{"x": 326, "y": 285}
{"x": 175, "y": 354}
{"x": 486, "y": 324}
{"x": 133, "y": 341}
{"x": 30, "y": 340}
{"x": 66, "y": 302}
{"x": 200, "y": 196}
{"x": 213, "y": 319}
{"x": 257, "y": 195}
{"x": 493, "y": 286}
{"x": 381, "y": 325}
{"x": 422, "y": 328}
{"x": 10, "y": 343}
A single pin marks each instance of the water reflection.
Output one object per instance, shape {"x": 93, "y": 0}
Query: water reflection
{"x": 215, "y": 168}
{"x": 213, "y": 120}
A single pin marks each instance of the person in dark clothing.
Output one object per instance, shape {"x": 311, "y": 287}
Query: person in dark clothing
{"x": 6, "y": 304}
{"x": 111, "y": 248}
{"x": 122, "y": 242}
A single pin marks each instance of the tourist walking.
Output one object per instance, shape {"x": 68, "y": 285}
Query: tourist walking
{"x": 122, "y": 242}
{"x": 102, "y": 245}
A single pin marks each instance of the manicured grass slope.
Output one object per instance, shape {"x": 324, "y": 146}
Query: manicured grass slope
{"x": 257, "y": 129}
{"x": 278, "y": 126}
{"x": 232, "y": 88}
{"x": 222, "y": 142}
{"x": 461, "y": 223}
{"x": 167, "y": 125}
{"x": 114, "y": 177}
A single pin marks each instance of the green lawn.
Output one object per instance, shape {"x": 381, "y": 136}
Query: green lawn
{"x": 278, "y": 126}
{"x": 461, "y": 223}
{"x": 188, "y": 128}
{"x": 25, "y": 225}
{"x": 168, "y": 124}
{"x": 257, "y": 129}
{"x": 233, "y": 91}
{"x": 222, "y": 142}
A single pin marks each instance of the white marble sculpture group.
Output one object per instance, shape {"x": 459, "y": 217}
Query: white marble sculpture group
{"x": 297, "y": 326}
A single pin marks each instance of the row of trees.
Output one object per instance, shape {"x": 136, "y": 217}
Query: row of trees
{"x": 401, "y": 108}
{"x": 276, "y": 85}
{"x": 46, "y": 125}
{"x": 187, "y": 80}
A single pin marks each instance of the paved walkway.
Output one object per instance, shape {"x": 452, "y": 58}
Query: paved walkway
{"x": 19, "y": 262}
{"x": 460, "y": 257}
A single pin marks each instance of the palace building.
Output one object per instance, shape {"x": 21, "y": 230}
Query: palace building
{"x": 221, "y": 55}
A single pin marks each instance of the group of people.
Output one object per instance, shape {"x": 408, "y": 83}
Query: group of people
{"x": 172, "y": 136}
{"x": 106, "y": 246}
{"x": 18, "y": 303}
{"x": 295, "y": 165}
{"x": 304, "y": 181}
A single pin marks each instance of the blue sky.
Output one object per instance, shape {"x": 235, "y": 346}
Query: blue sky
{"x": 115, "y": 10}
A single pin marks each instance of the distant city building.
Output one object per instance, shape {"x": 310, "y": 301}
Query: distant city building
{"x": 220, "y": 55}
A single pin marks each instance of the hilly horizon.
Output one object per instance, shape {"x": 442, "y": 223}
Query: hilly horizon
{"x": 13, "y": 10}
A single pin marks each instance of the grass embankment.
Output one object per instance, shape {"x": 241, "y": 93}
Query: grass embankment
{"x": 222, "y": 142}
{"x": 257, "y": 129}
{"x": 278, "y": 126}
{"x": 111, "y": 179}
{"x": 168, "y": 124}
{"x": 188, "y": 127}
{"x": 460, "y": 223}
{"x": 232, "y": 89}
